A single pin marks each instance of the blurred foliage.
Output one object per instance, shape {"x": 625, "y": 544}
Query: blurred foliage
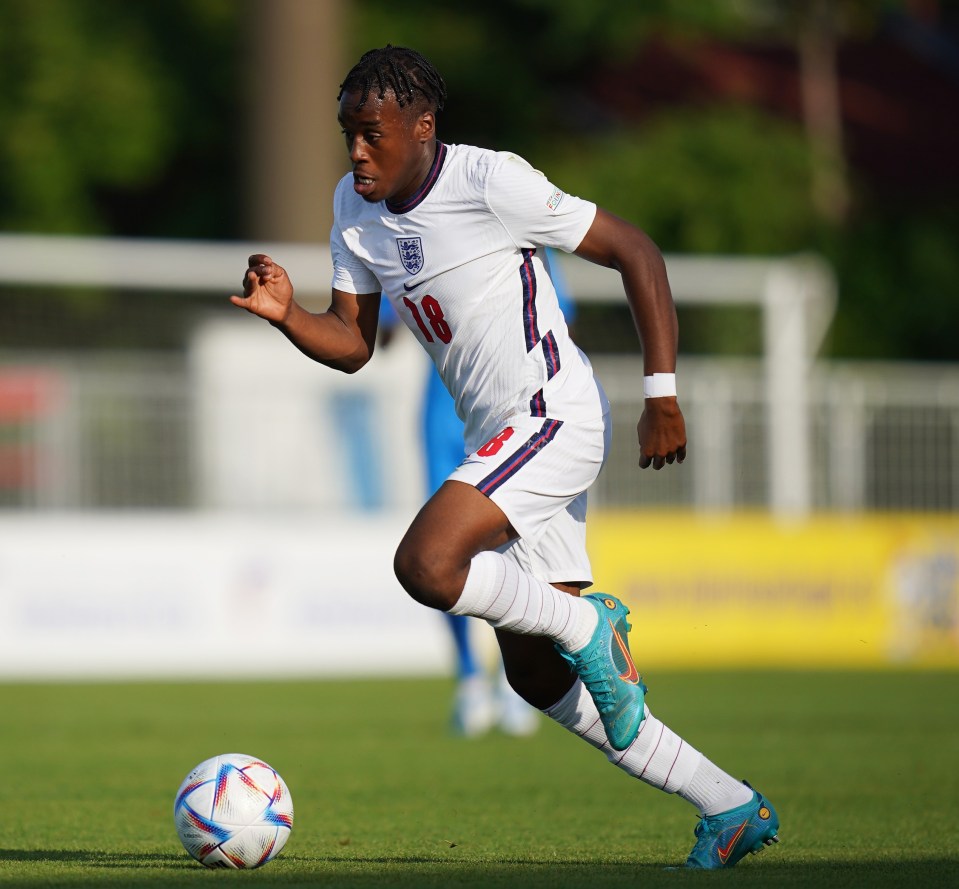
{"x": 898, "y": 270}
{"x": 70, "y": 121}
{"x": 721, "y": 180}
{"x": 124, "y": 117}
{"x": 516, "y": 69}
{"x": 725, "y": 180}
{"x": 115, "y": 120}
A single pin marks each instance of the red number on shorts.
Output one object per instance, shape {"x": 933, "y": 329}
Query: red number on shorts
{"x": 495, "y": 443}
{"x": 434, "y": 314}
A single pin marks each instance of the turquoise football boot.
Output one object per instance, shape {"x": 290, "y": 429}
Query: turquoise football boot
{"x": 607, "y": 670}
{"x": 721, "y": 840}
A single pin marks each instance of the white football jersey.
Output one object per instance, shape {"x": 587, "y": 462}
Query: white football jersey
{"x": 463, "y": 263}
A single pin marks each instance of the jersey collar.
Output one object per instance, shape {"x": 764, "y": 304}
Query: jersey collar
{"x": 420, "y": 194}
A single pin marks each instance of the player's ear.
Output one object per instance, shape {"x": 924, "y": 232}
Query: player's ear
{"x": 425, "y": 126}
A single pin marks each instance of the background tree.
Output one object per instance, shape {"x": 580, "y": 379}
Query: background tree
{"x": 118, "y": 117}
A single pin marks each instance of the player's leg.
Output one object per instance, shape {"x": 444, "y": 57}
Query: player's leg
{"x": 534, "y": 667}
{"x": 535, "y": 670}
{"x": 657, "y": 755}
{"x": 447, "y": 553}
{"x": 735, "y": 819}
{"x": 446, "y": 561}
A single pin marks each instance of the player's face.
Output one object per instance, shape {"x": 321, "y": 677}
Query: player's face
{"x": 391, "y": 148}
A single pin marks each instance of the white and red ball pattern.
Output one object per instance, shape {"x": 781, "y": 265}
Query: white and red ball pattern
{"x": 233, "y": 811}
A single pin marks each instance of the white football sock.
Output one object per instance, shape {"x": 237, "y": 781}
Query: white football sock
{"x": 507, "y": 598}
{"x": 657, "y": 756}
{"x": 712, "y": 791}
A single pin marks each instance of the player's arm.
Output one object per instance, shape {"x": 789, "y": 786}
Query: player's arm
{"x": 342, "y": 337}
{"x": 615, "y": 243}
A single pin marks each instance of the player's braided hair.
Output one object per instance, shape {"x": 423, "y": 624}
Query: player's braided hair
{"x": 400, "y": 70}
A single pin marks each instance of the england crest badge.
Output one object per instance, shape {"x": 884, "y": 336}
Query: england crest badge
{"x": 411, "y": 254}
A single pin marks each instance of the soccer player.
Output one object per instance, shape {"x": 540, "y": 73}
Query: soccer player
{"x": 454, "y": 236}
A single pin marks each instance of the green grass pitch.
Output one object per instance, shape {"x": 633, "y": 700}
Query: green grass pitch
{"x": 861, "y": 766}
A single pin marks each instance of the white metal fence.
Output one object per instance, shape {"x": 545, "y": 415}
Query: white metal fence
{"x": 883, "y": 436}
{"x": 116, "y": 431}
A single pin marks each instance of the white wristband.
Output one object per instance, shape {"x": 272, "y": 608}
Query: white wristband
{"x": 659, "y": 385}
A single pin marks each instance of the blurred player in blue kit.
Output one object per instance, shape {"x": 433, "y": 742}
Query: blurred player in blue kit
{"x": 454, "y": 236}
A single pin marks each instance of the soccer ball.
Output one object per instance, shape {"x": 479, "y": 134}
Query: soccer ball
{"x": 233, "y": 811}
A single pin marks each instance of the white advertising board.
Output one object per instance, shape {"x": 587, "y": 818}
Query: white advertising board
{"x": 275, "y": 430}
{"x": 209, "y": 596}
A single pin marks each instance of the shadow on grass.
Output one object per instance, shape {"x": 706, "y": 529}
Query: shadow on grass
{"x": 88, "y": 858}
{"x": 77, "y": 869}
{"x": 86, "y": 855}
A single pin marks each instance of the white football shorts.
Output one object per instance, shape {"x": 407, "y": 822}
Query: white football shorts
{"x": 538, "y": 470}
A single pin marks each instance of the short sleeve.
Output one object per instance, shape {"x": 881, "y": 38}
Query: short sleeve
{"x": 534, "y": 211}
{"x": 349, "y": 273}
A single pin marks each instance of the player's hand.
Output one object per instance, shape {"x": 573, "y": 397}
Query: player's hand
{"x": 267, "y": 290}
{"x": 662, "y": 433}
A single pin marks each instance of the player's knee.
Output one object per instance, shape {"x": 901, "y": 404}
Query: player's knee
{"x": 425, "y": 578}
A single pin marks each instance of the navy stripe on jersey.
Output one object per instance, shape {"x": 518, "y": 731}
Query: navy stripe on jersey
{"x": 505, "y": 471}
{"x": 551, "y": 354}
{"x": 420, "y": 195}
{"x": 537, "y": 405}
{"x": 528, "y": 277}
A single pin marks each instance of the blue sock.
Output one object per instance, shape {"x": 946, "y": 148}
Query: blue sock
{"x": 465, "y": 662}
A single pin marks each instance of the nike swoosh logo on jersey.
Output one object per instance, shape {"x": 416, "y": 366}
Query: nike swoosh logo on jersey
{"x": 409, "y": 287}
{"x": 725, "y": 851}
{"x": 632, "y": 674}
